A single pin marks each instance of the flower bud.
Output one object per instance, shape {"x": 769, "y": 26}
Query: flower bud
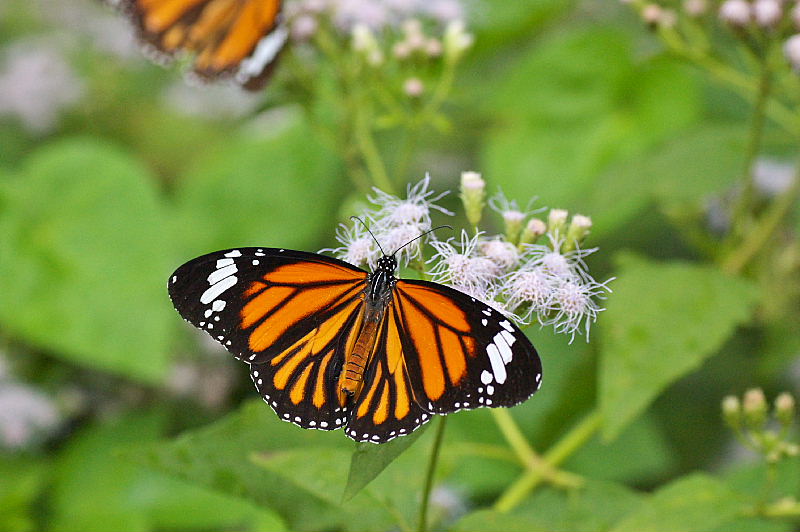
{"x": 735, "y": 13}
{"x": 651, "y": 14}
{"x": 785, "y": 409}
{"x": 556, "y": 222}
{"x": 695, "y": 8}
{"x": 576, "y": 233}
{"x": 513, "y": 220}
{"x": 456, "y": 41}
{"x": 365, "y": 43}
{"x": 792, "y": 50}
{"x": 473, "y": 196}
{"x": 755, "y": 408}
{"x": 413, "y": 87}
{"x": 732, "y": 411}
{"x": 768, "y": 13}
{"x": 533, "y": 230}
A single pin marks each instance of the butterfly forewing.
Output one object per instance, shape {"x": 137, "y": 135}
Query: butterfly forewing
{"x": 227, "y": 38}
{"x": 290, "y": 315}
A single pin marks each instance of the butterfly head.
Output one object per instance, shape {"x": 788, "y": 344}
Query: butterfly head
{"x": 387, "y": 264}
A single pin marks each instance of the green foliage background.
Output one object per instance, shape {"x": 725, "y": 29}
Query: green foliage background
{"x": 570, "y": 101}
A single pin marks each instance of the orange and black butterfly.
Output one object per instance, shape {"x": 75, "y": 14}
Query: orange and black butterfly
{"x": 238, "y": 39}
{"x": 330, "y": 345}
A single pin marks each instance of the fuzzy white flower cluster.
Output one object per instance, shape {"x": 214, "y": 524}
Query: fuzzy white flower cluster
{"x": 529, "y": 283}
{"x": 26, "y": 414}
{"x": 547, "y": 282}
{"x": 374, "y": 14}
{"x": 394, "y": 222}
{"x": 36, "y": 83}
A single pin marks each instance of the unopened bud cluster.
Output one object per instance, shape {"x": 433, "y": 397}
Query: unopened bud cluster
{"x": 412, "y": 35}
{"x": 777, "y": 19}
{"x": 760, "y": 429}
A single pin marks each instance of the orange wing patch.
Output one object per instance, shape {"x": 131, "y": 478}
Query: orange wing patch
{"x": 221, "y": 34}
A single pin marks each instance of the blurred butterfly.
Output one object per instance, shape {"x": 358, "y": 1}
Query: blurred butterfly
{"x": 238, "y": 39}
{"x": 330, "y": 345}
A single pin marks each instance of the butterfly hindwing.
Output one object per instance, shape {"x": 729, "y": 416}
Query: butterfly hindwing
{"x": 227, "y": 38}
{"x": 290, "y": 315}
{"x": 386, "y": 407}
{"x": 460, "y": 352}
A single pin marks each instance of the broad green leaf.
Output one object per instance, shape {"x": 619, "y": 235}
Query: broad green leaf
{"x": 696, "y": 502}
{"x": 574, "y": 105}
{"x": 278, "y": 191}
{"x": 662, "y": 322}
{"x": 97, "y": 488}
{"x": 595, "y": 506}
{"x": 219, "y": 457}
{"x": 640, "y": 452}
{"x": 23, "y": 482}
{"x": 86, "y": 254}
{"x": 369, "y": 460}
{"x": 685, "y": 168}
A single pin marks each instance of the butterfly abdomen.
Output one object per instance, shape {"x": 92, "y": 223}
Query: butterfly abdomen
{"x": 357, "y": 359}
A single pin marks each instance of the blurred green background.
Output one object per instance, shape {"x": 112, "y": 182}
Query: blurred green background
{"x": 115, "y": 415}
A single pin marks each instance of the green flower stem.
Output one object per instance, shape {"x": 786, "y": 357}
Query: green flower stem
{"x": 752, "y": 243}
{"x": 563, "y": 449}
{"x": 743, "y": 206}
{"x": 426, "y": 490}
{"x": 369, "y": 151}
{"x": 741, "y": 83}
{"x": 527, "y": 455}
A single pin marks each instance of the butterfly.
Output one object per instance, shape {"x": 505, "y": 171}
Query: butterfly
{"x": 332, "y": 346}
{"x": 238, "y": 39}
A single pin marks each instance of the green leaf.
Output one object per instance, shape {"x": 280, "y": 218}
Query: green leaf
{"x": 86, "y": 255}
{"x": 696, "y": 502}
{"x": 97, "y": 488}
{"x": 576, "y": 104}
{"x": 279, "y": 191}
{"x": 23, "y": 482}
{"x": 595, "y": 506}
{"x": 219, "y": 457}
{"x": 662, "y": 322}
{"x": 641, "y": 452}
{"x": 369, "y": 460}
{"x": 686, "y": 168}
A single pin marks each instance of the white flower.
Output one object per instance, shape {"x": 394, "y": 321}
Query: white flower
{"x": 575, "y": 306}
{"x": 25, "y": 414}
{"x": 36, "y": 83}
{"x": 531, "y": 287}
{"x": 358, "y": 247}
{"x": 415, "y": 209}
{"x": 462, "y": 268}
{"x": 503, "y": 254}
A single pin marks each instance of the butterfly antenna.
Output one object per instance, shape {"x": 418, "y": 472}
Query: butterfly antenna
{"x": 420, "y": 236}
{"x": 368, "y": 231}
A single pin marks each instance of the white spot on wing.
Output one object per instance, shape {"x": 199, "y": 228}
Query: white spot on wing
{"x": 215, "y": 290}
{"x": 221, "y": 263}
{"x": 265, "y": 52}
{"x": 507, "y": 326}
{"x": 234, "y": 253}
{"x": 502, "y": 346}
{"x": 496, "y": 360}
{"x": 486, "y": 377}
{"x": 220, "y": 274}
{"x": 218, "y": 305}
{"x": 509, "y": 337}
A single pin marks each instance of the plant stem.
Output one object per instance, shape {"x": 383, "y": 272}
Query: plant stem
{"x": 369, "y": 151}
{"x": 527, "y": 455}
{"x": 743, "y": 205}
{"x": 426, "y": 491}
{"x": 562, "y": 450}
{"x": 770, "y": 221}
